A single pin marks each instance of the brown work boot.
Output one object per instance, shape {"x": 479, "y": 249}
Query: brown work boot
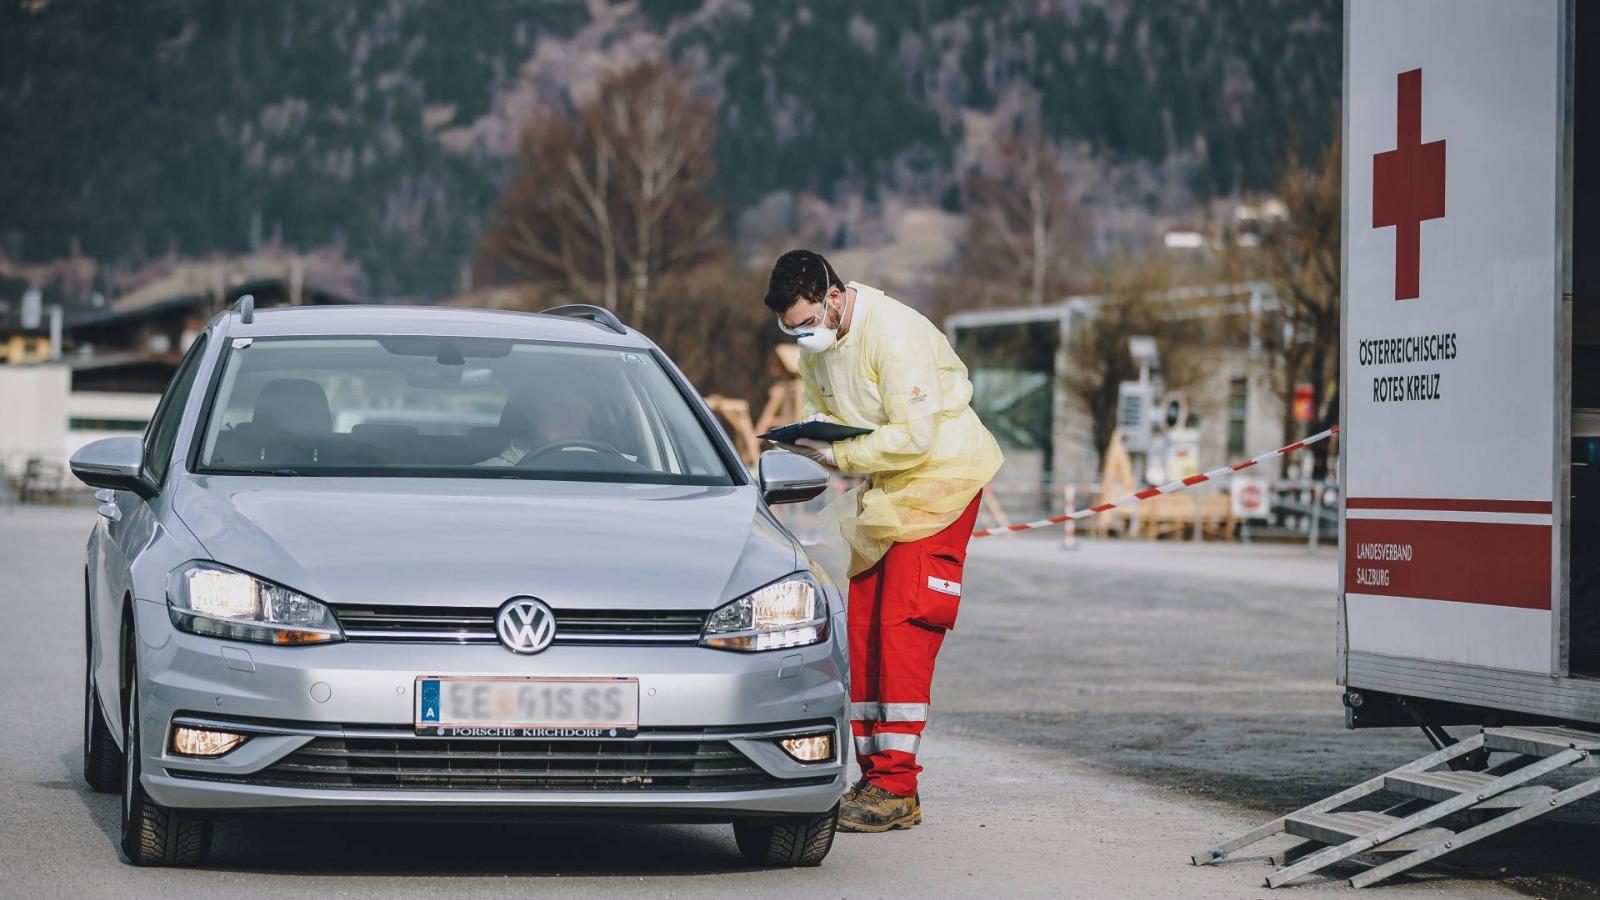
{"x": 874, "y": 809}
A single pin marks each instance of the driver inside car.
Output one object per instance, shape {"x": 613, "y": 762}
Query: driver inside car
{"x": 546, "y": 422}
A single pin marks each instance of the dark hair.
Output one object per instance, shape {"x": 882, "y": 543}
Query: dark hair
{"x": 796, "y": 274}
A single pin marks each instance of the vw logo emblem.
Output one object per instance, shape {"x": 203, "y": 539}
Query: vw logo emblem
{"x": 525, "y": 625}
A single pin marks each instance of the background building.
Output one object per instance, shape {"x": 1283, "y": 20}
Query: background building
{"x": 1020, "y": 358}
{"x": 108, "y": 376}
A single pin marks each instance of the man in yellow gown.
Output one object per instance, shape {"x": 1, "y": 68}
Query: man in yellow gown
{"x": 872, "y": 362}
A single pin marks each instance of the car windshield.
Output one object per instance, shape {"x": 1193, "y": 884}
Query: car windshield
{"x": 453, "y": 407}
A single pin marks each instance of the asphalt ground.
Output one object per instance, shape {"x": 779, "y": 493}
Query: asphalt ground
{"x": 1099, "y": 714}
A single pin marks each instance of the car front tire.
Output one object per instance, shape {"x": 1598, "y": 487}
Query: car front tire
{"x": 787, "y": 842}
{"x": 153, "y": 835}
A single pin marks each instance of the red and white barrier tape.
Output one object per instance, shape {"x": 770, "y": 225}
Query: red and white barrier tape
{"x": 1167, "y": 488}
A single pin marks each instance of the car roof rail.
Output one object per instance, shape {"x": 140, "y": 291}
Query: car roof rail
{"x": 247, "y": 309}
{"x": 601, "y": 316}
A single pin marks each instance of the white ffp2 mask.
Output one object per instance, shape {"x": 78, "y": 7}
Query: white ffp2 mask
{"x": 817, "y": 339}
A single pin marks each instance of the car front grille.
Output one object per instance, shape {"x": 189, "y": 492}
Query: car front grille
{"x": 475, "y": 764}
{"x": 475, "y": 625}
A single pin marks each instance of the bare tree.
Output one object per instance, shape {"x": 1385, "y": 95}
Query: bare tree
{"x": 717, "y": 330}
{"x": 613, "y": 195}
{"x": 1131, "y": 300}
{"x": 1299, "y": 256}
{"x": 1023, "y": 225}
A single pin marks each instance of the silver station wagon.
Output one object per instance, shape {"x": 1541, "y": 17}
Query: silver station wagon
{"x": 388, "y": 561}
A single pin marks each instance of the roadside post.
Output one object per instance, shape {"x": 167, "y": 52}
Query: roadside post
{"x": 1315, "y": 528}
{"x": 1069, "y": 528}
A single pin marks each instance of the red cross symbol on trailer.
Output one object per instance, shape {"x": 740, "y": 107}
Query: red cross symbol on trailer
{"x": 1408, "y": 185}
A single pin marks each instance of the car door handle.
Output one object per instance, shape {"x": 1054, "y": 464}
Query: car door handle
{"x": 108, "y": 505}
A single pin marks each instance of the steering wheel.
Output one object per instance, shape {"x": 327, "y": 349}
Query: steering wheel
{"x": 569, "y": 444}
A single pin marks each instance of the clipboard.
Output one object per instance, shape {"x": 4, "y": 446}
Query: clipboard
{"x": 817, "y": 431}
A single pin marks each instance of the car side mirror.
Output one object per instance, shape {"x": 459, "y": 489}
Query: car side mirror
{"x": 116, "y": 463}
{"x": 790, "y": 478}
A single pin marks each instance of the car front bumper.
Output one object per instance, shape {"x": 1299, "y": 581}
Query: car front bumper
{"x": 323, "y": 698}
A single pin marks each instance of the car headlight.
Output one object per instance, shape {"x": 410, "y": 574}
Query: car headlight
{"x": 212, "y": 599}
{"x": 787, "y": 613}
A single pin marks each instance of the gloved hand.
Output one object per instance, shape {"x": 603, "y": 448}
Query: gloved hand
{"x": 820, "y": 451}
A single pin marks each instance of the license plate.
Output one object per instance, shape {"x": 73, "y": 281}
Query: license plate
{"x": 513, "y": 706}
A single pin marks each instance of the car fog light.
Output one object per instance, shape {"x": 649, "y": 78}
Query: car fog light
{"x": 810, "y": 748}
{"x": 203, "y": 741}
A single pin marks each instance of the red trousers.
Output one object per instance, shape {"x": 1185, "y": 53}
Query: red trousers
{"x": 899, "y": 611}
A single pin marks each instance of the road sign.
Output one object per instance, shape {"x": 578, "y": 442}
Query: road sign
{"x": 1251, "y": 498}
{"x": 1304, "y": 411}
{"x": 1135, "y": 416}
{"x": 1183, "y": 453}
{"x": 1174, "y": 411}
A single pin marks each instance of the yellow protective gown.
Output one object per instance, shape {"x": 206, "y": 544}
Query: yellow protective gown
{"x": 928, "y": 454}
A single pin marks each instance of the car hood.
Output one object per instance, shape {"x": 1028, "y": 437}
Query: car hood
{"x": 441, "y": 542}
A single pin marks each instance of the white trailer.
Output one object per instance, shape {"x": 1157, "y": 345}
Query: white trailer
{"x": 1469, "y": 334}
{"x": 1470, "y": 380}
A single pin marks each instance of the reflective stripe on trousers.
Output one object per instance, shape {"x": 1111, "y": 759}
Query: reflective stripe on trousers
{"x": 887, "y": 740}
{"x": 873, "y": 711}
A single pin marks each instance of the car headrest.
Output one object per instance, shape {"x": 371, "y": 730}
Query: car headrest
{"x": 514, "y": 415}
{"x": 296, "y": 405}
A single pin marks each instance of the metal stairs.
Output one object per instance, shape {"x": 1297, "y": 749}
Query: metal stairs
{"x": 1491, "y": 801}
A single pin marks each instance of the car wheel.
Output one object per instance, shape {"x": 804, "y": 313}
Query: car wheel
{"x": 153, "y": 835}
{"x": 102, "y": 760}
{"x": 786, "y": 842}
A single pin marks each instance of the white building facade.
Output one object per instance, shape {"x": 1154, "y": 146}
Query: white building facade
{"x": 42, "y": 418}
{"x": 1016, "y": 359}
